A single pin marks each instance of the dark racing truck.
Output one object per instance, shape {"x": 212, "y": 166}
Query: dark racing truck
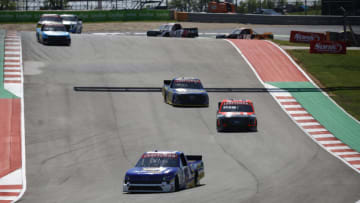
{"x": 173, "y": 30}
{"x": 185, "y": 91}
{"x": 236, "y": 115}
{"x": 164, "y": 171}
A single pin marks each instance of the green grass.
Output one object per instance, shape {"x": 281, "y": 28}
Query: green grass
{"x": 287, "y": 43}
{"x": 309, "y": 12}
{"x": 333, "y": 70}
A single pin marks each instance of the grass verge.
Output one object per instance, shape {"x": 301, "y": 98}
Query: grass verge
{"x": 332, "y": 70}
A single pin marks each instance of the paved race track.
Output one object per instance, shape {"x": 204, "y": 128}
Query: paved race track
{"x": 79, "y": 144}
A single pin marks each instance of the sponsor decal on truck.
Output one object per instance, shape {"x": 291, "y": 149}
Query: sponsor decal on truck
{"x": 329, "y": 47}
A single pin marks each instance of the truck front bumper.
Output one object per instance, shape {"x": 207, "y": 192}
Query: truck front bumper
{"x": 163, "y": 187}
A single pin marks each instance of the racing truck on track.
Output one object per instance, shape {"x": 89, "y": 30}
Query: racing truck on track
{"x": 173, "y": 30}
{"x": 48, "y": 19}
{"x": 164, "y": 171}
{"x": 53, "y": 34}
{"x": 236, "y": 115}
{"x": 72, "y": 23}
{"x": 246, "y": 33}
{"x": 185, "y": 91}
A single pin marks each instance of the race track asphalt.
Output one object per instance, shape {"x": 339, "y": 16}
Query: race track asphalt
{"x": 80, "y": 144}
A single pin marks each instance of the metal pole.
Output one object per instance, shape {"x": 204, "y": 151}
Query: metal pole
{"x": 305, "y": 8}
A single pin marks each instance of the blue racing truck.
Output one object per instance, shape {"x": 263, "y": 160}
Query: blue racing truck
{"x": 164, "y": 171}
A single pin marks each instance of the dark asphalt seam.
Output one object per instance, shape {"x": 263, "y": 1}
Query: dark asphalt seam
{"x": 215, "y": 89}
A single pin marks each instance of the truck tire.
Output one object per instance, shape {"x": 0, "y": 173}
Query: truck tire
{"x": 196, "y": 179}
{"x": 177, "y": 187}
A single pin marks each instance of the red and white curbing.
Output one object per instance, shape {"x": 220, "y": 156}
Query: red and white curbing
{"x": 303, "y": 118}
{"x": 13, "y": 185}
{"x": 315, "y": 130}
{"x": 13, "y": 76}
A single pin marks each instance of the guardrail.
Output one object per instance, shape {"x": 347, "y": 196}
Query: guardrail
{"x": 91, "y": 16}
{"x": 266, "y": 19}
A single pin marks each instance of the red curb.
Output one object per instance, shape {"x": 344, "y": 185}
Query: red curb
{"x": 289, "y": 103}
{"x": 12, "y": 70}
{"x": 10, "y": 137}
{"x": 12, "y": 81}
{"x": 10, "y": 187}
{"x": 307, "y": 121}
{"x": 301, "y": 115}
{"x": 320, "y": 132}
{"x": 270, "y": 63}
{"x": 313, "y": 127}
{"x": 327, "y": 139}
{"x": 295, "y": 109}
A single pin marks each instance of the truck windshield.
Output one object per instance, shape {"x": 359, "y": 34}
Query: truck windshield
{"x": 158, "y": 162}
{"x": 236, "y": 108}
{"x": 191, "y": 84}
{"x": 51, "y": 18}
{"x": 69, "y": 18}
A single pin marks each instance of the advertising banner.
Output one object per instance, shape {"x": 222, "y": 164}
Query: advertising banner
{"x": 329, "y": 47}
{"x": 306, "y": 37}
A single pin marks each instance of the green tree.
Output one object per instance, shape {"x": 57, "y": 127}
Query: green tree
{"x": 55, "y": 4}
{"x": 7, "y": 5}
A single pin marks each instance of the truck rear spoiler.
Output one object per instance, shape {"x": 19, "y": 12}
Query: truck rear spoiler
{"x": 194, "y": 157}
{"x": 167, "y": 82}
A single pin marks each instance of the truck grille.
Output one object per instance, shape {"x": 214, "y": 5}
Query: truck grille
{"x": 57, "y": 40}
{"x": 192, "y": 99}
{"x": 145, "y": 188}
{"x": 145, "y": 181}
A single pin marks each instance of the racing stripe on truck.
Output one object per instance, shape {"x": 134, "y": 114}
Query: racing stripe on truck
{"x": 12, "y": 134}
{"x": 314, "y": 112}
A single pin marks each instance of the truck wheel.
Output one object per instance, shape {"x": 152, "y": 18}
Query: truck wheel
{"x": 177, "y": 184}
{"x": 165, "y": 98}
{"x": 196, "y": 179}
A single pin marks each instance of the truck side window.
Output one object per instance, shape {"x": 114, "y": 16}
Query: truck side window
{"x": 183, "y": 160}
{"x": 245, "y": 32}
{"x": 177, "y": 27}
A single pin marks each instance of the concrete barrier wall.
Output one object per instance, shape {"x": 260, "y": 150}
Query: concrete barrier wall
{"x": 90, "y": 16}
{"x": 273, "y": 20}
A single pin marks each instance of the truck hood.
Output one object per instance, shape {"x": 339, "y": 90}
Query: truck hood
{"x": 69, "y": 22}
{"x": 151, "y": 171}
{"x": 187, "y": 91}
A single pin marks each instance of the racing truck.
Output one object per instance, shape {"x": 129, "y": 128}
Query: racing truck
{"x": 164, "y": 171}
{"x": 72, "y": 23}
{"x": 245, "y": 33}
{"x": 185, "y": 91}
{"x": 173, "y": 30}
{"x": 53, "y": 34}
{"x": 47, "y": 19}
{"x": 236, "y": 115}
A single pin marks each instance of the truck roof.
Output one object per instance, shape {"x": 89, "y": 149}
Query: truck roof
{"x": 186, "y": 78}
{"x": 237, "y": 101}
{"x": 163, "y": 152}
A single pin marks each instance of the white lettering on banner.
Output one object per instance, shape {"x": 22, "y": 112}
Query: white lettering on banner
{"x": 306, "y": 38}
{"x": 329, "y": 47}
